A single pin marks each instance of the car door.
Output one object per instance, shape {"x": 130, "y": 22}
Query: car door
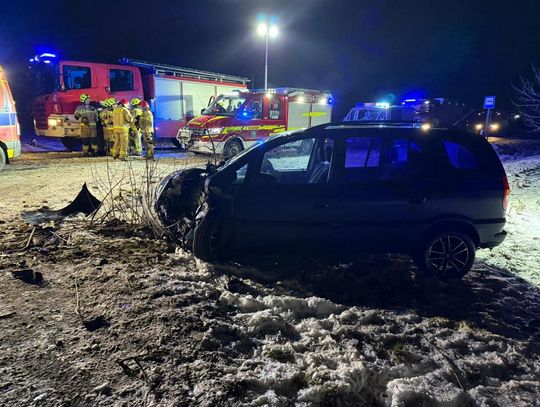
{"x": 281, "y": 207}
{"x": 384, "y": 192}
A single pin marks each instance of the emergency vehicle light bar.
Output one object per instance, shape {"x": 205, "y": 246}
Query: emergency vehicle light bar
{"x": 290, "y": 91}
{"x": 172, "y": 70}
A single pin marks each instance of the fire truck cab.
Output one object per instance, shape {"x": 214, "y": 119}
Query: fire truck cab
{"x": 234, "y": 121}
{"x": 10, "y": 144}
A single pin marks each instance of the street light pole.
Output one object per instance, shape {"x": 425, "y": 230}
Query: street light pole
{"x": 266, "y": 60}
{"x": 268, "y": 29}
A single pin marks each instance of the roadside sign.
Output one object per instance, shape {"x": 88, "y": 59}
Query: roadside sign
{"x": 489, "y": 102}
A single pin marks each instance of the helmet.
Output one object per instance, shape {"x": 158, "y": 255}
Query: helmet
{"x": 144, "y": 104}
{"x": 124, "y": 102}
{"x": 103, "y": 103}
{"x": 135, "y": 101}
{"x": 84, "y": 97}
{"x": 111, "y": 102}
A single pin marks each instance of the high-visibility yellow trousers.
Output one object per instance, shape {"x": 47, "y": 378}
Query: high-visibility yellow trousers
{"x": 135, "y": 141}
{"x": 121, "y": 142}
{"x": 149, "y": 141}
{"x": 89, "y": 138}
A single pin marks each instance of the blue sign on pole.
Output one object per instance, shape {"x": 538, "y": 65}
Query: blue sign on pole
{"x": 489, "y": 102}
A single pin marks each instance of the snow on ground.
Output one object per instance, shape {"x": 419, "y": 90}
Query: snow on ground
{"x": 125, "y": 320}
{"x": 520, "y": 253}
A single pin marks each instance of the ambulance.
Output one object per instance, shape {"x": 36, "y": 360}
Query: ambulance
{"x": 236, "y": 120}
{"x": 10, "y": 144}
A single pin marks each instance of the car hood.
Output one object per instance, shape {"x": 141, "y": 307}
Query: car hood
{"x": 207, "y": 121}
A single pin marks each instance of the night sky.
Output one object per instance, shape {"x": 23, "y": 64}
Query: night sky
{"x": 360, "y": 50}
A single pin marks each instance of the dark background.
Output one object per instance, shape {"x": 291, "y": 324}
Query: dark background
{"x": 361, "y": 50}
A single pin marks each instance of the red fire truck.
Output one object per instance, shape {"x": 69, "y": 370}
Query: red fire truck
{"x": 236, "y": 120}
{"x": 175, "y": 94}
{"x": 10, "y": 145}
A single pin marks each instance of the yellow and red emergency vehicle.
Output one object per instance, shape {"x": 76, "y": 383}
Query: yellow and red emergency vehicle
{"x": 236, "y": 120}
{"x": 10, "y": 144}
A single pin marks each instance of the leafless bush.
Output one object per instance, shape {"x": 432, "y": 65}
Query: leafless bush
{"x": 528, "y": 101}
{"x": 127, "y": 189}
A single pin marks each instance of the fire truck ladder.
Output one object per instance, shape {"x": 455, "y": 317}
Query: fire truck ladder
{"x": 170, "y": 70}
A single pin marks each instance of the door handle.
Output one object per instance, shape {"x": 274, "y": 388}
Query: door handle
{"x": 418, "y": 201}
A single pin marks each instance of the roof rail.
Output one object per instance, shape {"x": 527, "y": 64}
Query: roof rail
{"x": 172, "y": 70}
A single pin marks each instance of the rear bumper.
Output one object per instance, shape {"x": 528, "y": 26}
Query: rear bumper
{"x": 491, "y": 234}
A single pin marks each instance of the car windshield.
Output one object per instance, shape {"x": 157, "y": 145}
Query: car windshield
{"x": 225, "y": 105}
{"x": 45, "y": 77}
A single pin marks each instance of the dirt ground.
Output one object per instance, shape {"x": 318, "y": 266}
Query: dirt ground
{"x": 122, "y": 319}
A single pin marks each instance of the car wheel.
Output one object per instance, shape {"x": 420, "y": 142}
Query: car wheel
{"x": 208, "y": 240}
{"x": 3, "y": 158}
{"x": 446, "y": 255}
{"x": 72, "y": 143}
{"x": 232, "y": 148}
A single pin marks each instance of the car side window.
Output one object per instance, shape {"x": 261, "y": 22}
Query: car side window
{"x": 292, "y": 163}
{"x": 460, "y": 156}
{"x": 372, "y": 158}
{"x": 241, "y": 174}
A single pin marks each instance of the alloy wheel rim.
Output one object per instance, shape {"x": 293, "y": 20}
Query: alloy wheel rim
{"x": 448, "y": 254}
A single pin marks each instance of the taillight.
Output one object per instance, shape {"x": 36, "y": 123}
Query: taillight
{"x": 506, "y": 195}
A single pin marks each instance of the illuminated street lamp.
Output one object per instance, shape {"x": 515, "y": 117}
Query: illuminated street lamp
{"x": 268, "y": 28}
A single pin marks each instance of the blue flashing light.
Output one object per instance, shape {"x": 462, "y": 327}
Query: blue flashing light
{"x": 47, "y": 55}
{"x": 410, "y": 100}
{"x": 330, "y": 100}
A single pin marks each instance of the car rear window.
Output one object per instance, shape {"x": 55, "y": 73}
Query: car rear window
{"x": 460, "y": 156}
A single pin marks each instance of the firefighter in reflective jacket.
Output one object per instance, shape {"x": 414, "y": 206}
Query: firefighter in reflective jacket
{"x": 121, "y": 118}
{"x": 105, "y": 117}
{"x": 135, "y": 130}
{"x": 87, "y": 116}
{"x": 146, "y": 123}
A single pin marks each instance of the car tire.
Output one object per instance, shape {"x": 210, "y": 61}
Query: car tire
{"x": 445, "y": 255}
{"x": 3, "y": 158}
{"x": 72, "y": 143}
{"x": 232, "y": 148}
{"x": 208, "y": 239}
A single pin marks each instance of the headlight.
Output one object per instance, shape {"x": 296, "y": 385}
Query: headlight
{"x": 54, "y": 122}
{"x": 214, "y": 130}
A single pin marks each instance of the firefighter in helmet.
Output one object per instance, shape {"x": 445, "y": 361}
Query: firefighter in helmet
{"x": 105, "y": 116}
{"x": 146, "y": 123}
{"x": 121, "y": 118}
{"x": 86, "y": 114}
{"x": 135, "y": 129}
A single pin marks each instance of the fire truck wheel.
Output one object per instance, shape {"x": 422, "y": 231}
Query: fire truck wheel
{"x": 3, "y": 158}
{"x": 208, "y": 240}
{"x": 232, "y": 148}
{"x": 72, "y": 143}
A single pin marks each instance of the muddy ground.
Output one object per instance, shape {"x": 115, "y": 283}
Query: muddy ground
{"x": 122, "y": 319}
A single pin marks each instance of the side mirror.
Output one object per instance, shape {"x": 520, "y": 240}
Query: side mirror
{"x": 107, "y": 89}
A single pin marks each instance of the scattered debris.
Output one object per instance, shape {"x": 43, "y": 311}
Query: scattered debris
{"x": 28, "y": 276}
